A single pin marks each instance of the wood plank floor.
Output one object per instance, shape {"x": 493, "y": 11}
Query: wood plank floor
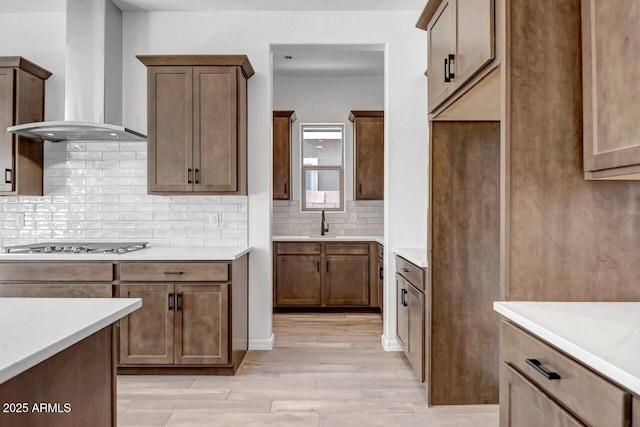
{"x": 325, "y": 370}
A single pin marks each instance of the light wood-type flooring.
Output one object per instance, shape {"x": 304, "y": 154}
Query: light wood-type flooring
{"x": 325, "y": 370}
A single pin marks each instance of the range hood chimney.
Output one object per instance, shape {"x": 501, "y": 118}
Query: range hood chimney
{"x": 93, "y": 79}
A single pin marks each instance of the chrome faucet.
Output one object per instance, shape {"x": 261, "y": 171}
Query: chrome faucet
{"x": 324, "y": 226}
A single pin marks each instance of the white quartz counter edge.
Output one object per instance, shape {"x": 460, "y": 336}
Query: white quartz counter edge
{"x": 417, "y": 256}
{"x": 614, "y": 357}
{"x": 34, "y": 329}
{"x": 148, "y": 254}
{"x": 377, "y": 239}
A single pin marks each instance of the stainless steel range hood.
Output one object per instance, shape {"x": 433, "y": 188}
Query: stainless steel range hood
{"x": 93, "y": 79}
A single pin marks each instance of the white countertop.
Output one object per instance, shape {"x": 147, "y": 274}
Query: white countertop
{"x": 34, "y": 329}
{"x": 148, "y": 254}
{"x": 329, "y": 238}
{"x": 602, "y": 335}
{"x": 417, "y": 256}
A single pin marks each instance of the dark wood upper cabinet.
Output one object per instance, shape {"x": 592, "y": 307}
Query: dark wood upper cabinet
{"x": 611, "y": 98}
{"x": 368, "y": 140}
{"x": 461, "y": 41}
{"x": 282, "y": 121}
{"x": 197, "y": 123}
{"x": 21, "y": 101}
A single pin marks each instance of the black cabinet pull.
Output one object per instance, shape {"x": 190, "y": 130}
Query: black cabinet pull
{"x": 405, "y": 269}
{"x": 360, "y": 188}
{"x": 285, "y": 188}
{"x": 449, "y": 73}
{"x": 537, "y": 365}
{"x": 189, "y": 176}
{"x": 402, "y": 298}
{"x": 327, "y": 266}
{"x": 381, "y": 273}
{"x": 178, "y": 301}
{"x": 169, "y": 302}
{"x": 195, "y": 176}
{"x": 447, "y": 79}
{"x": 174, "y": 272}
{"x": 318, "y": 266}
{"x": 7, "y": 176}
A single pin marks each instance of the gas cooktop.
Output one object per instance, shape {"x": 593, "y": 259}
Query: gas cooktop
{"x": 76, "y": 247}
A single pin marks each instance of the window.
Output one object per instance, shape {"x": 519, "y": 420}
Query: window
{"x": 322, "y": 167}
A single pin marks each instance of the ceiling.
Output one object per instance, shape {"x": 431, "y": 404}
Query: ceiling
{"x": 28, "y": 6}
{"x": 328, "y": 60}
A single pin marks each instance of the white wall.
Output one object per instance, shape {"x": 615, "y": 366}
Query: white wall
{"x": 326, "y": 99}
{"x": 40, "y": 38}
{"x": 252, "y": 33}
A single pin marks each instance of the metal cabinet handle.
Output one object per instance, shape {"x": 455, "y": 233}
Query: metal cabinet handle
{"x": 447, "y": 79}
{"x": 189, "y": 176}
{"x": 381, "y": 273}
{"x": 404, "y": 269}
{"x": 403, "y": 301}
{"x": 452, "y": 58}
{"x": 174, "y": 272}
{"x": 7, "y": 176}
{"x": 537, "y": 365}
{"x": 195, "y": 176}
{"x": 169, "y": 302}
{"x": 360, "y": 188}
{"x": 318, "y": 266}
{"x": 285, "y": 188}
{"x": 178, "y": 301}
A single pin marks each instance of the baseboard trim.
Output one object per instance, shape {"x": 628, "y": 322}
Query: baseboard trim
{"x": 390, "y": 345}
{"x": 262, "y": 345}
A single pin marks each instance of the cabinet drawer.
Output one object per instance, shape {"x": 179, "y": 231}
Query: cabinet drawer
{"x": 346, "y": 249}
{"x": 174, "y": 272}
{"x": 297, "y": 248}
{"x": 56, "y": 272}
{"x": 380, "y": 251}
{"x": 56, "y": 290}
{"x": 592, "y": 398}
{"x": 411, "y": 272}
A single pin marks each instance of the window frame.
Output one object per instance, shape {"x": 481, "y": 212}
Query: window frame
{"x": 304, "y": 168}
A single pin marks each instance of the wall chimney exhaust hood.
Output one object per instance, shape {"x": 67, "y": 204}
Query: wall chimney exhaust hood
{"x": 93, "y": 79}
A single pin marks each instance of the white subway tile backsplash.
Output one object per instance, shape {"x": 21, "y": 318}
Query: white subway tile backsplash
{"x": 98, "y": 191}
{"x": 289, "y": 220}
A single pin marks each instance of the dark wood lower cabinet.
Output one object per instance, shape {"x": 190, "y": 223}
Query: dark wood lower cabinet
{"x": 321, "y": 274}
{"x": 416, "y": 314}
{"x": 402, "y": 312}
{"x": 202, "y": 324}
{"x": 147, "y": 335}
{"x": 297, "y": 280}
{"x": 528, "y": 406}
{"x": 346, "y": 280}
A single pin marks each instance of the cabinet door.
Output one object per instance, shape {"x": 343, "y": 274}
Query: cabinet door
{"x": 441, "y": 36}
{"x": 611, "y": 95}
{"x": 281, "y": 158}
{"x": 170, "y": 128}
{"x": 146, "y": 335}
{"x": 522, "y": 404}
{"x": 416, "y": 330}
{"x": 475, "y": 45}
{"x": 215, "y": 129}
{"x": 402, "y": 312}
{"x": 381, "y": 284}
{"x": 202, "y": 324}
{"x": 7, "y": 147}
{"x": 369, "y": 158}
{"x": 297, "y": 280}
{"x": 346, "y": 280}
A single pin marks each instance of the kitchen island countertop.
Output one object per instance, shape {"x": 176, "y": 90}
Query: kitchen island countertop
{"x": 34, "y": 329}
{"x": 604, "y": 336}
